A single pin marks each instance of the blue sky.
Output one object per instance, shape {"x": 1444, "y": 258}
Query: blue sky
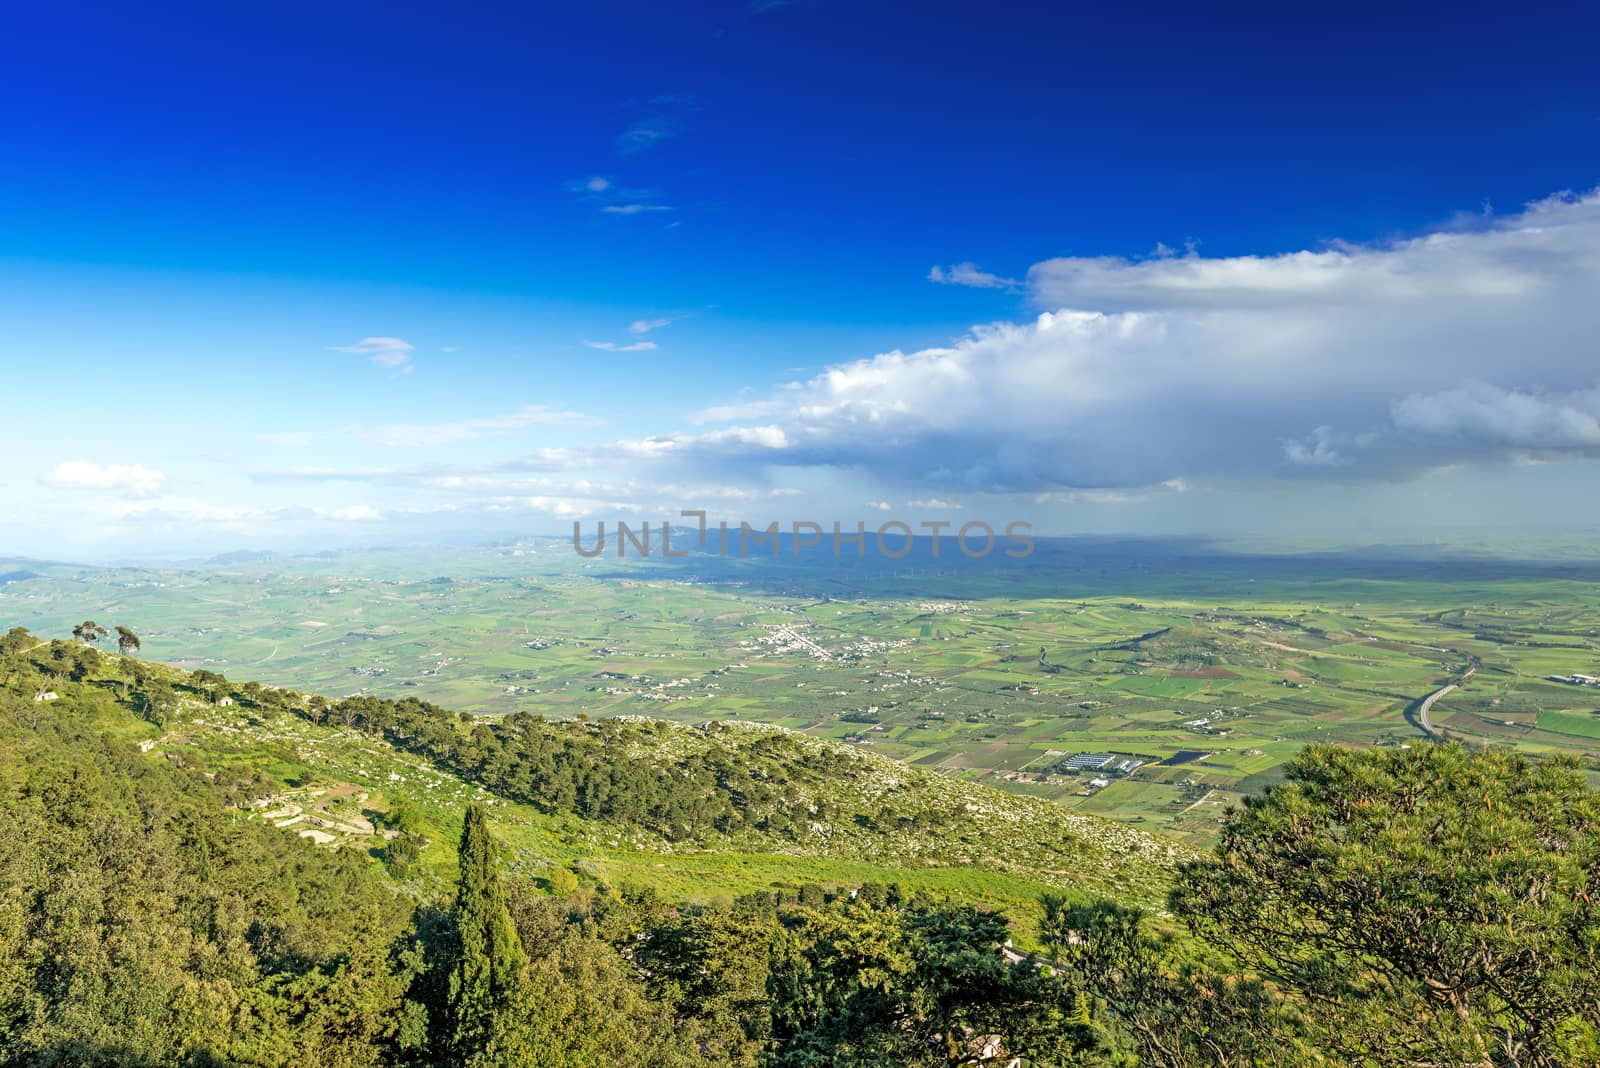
{"x": 375, "y": 274}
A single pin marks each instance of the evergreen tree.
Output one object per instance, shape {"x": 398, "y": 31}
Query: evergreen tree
{"x": 88, "y": 632}
{"x": 1432, "y": 905}
{"x": 488, "y": 975}
{"x": 921, "y": 985}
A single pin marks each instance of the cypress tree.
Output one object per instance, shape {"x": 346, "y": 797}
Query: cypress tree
{"x": 487, "y": 980}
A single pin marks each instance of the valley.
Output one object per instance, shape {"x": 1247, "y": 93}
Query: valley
{"x": 1152, "y": 690}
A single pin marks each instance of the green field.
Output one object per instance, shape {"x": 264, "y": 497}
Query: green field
{"x": 1209, "y": 669}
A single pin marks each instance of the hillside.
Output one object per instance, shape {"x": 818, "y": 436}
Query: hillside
{"x": 200, "y": 873}
{"x": 697, "y": 810}
{"x": 1210, "y": 677}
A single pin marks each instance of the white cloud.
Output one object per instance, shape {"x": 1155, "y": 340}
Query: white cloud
{"x": 968, "y": 274}
{"x": 564, "y": 507}
{"x": 132, "y": 480}
{"x": 1355, "y": 362}
{"x": 384, "y": 351}
{"x": 1144, "y": 380}
{"x": 614, "y": 199}
{"x": 175, "y": 512}
{"x": 760, "y": 437}
{"x": 647, "y": 133}
{"x": 1320, "y": 448}
{"x": 1104, "y": 497}
{"x": 878, "y": 506}
{"x": 634, "y": 208}
{"x": 644, "y": 326}
{"x": 1513, "y": 418}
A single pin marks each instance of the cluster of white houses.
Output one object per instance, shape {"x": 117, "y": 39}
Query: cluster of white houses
{"x": 1577, "y": 680}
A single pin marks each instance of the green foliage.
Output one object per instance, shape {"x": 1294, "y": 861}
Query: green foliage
{"x": 1164, "y": 1006}
{"x": 1425, "y": 906}
{"x": 714, "y": 964}
{"x": 857, "y": 984}
{"x": 488, "y": 980}
{"x": 1290, "y": 648}
{"x": 89, "y": 632}
{"x": 1391, "y": 907}
{"x": 563, "y": 881}
{"x": 757, "y": 789}
{"x": 563, "y": 768}
{"x": 590, "y": 1010}
{"x": 142, "y": 923}
{"x": 1432, "y": 904}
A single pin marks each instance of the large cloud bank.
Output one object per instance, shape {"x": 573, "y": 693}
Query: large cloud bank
{"x": 1356, "y": 362}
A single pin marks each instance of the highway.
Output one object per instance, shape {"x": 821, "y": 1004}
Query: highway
{"x": 1422, "y": 721}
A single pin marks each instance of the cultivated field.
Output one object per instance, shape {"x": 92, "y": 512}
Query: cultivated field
{"x": 1195, "y": 674}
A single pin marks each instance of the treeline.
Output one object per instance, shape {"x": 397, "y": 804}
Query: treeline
{"x": 1431, "y": 906}
{"x": 582, "y": 769}
{"x": 715, "y": 784}
{"x": 765, "y": 785}
{"x": 620, "y": 770}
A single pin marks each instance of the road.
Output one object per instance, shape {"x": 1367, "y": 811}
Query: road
{"x": 1422, "y": 721}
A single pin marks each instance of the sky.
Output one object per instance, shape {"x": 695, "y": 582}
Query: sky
{"x": 315, "y": 276}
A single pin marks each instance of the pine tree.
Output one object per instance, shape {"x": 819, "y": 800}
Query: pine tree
{"x": 88, "y": 632}
{"x": 487, "y": 980}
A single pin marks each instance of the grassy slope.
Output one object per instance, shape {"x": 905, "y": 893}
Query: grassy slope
{"x": 1012, "y": 849}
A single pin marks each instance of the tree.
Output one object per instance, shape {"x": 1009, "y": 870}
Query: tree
{"x": 12, "y": 644}
{"x": 15, "y": 640}
{"x": 88, "y": 632}
{"x": 1432, "y": 905}
{"x": 209, "y": 681}
{"x": 84, "y": 662}
{"x": 143, "y": 923}
{"x": 488, "y": 975}
{"x": 917, "y": 985}
{"x": 1175, "y": 1011}
{"x": 590, "y": 1006}
{"x": 61, "y": 660}
{"x": 712, "y": 964}
{"x": 127, "y": 642}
